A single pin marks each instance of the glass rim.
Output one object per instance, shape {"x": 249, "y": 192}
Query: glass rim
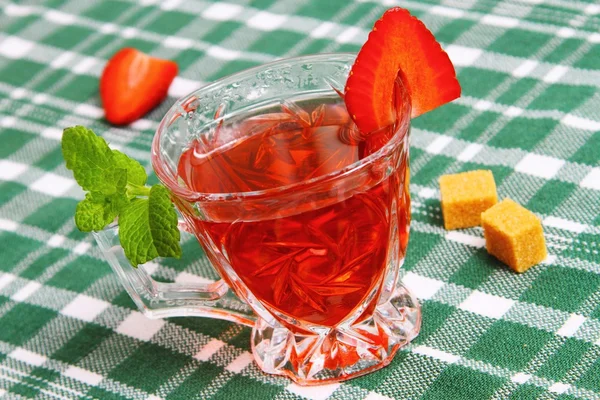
{"x": 193, "y": 196}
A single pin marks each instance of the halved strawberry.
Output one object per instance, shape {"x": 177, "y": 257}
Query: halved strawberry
{"x": 133, "y": 83}
{"x": 398, "y": 44}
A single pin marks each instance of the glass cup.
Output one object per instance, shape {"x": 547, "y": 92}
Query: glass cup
{"x": 311, "y": 263}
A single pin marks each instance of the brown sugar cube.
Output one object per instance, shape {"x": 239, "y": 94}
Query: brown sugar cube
{"x": 465, "y": 196}
{"x": 514, "y": 235}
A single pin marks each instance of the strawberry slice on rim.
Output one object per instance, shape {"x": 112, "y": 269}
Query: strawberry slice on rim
{"x": 133, "y": 83}
{"x": 398, "y": 45}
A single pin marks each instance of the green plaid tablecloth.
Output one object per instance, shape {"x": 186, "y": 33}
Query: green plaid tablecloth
{"x": 530, "y": 112}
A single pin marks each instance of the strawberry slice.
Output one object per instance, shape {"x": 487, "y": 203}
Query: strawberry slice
{"x": 133, "y": 83}
{"x": 398, "y": 45}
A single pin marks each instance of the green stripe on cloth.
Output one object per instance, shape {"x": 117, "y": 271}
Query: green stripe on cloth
{"x": 530, "y": 72}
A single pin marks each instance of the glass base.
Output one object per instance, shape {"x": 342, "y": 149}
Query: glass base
{"x": 343, "y": 352}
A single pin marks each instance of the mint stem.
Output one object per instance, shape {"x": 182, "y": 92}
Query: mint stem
{"x": 137, "y": 190}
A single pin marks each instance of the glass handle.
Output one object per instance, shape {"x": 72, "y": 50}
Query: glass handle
{"x": 161, "y": 300}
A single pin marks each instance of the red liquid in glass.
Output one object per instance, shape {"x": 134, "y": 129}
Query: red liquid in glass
{"x": 319, "y": 264}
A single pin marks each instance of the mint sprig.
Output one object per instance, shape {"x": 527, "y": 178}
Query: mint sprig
{"x": 116, "y": 188}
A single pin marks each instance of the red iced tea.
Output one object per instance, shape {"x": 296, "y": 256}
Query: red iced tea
{"x": 319, "y": 263}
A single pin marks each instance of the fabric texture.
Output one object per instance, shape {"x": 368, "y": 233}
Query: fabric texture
{"x": 530, "y": 72}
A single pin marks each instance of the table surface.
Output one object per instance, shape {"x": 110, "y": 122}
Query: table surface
{"x": 530, "y": 72}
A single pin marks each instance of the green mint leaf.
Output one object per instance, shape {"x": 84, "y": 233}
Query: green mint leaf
{"x": 89, "y": 216}
{"x": 98, "y": 210}
{"x": 148, "y": 228}
{"x": 91, "y": 161}
{"x": 115, "y": 185}
{"x": 116, "y": 181}
{"x": 136, "y": 174}
{"x": 113, "y": 204}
